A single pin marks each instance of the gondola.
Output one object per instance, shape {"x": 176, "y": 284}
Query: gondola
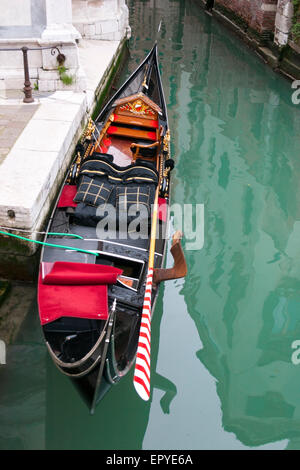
{"x": 110, "y": 222}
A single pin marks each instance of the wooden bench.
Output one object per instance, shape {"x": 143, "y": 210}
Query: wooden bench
{"x": 135, "y": 121}
{"x": 131, "y": 132}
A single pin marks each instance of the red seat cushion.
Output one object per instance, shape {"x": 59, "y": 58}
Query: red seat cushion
{"x": 67, "y": 195}
{"x": 74, "y": 290}
{"x": 162, "y": 209}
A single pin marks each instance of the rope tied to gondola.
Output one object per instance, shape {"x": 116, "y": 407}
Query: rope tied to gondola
{"x": 54, "y": 245}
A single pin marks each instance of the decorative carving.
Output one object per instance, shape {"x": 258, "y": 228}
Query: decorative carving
{"x": 89, "y": 131}
{"x": 166, "y": 142}
{"x": 138, "y": 107}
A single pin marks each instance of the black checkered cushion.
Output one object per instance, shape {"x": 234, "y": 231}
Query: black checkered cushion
{"x": 92, "y": 191}
{"x": 129, "y": 195}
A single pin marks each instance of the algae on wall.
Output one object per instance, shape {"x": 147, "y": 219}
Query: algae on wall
{"x": 295, "y": 30}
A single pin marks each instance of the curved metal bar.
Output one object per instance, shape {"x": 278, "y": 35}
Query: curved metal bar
{"x": 83, "y": 373}
{"x": 104, "y": 353}
{"x": 80, "y": 362}
{"x": 60, "y": 57}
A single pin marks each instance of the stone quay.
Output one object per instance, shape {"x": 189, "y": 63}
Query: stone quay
{"x": 37, "y": 139}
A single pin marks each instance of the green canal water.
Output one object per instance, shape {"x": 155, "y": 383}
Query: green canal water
{"x": 223, "y": 371}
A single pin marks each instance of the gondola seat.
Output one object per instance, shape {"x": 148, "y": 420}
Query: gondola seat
{"x": 85, "y": 284}
{"x": 142, "y": 149}
{"x": 67, "y": 196}
{"x": 101, "y": 183}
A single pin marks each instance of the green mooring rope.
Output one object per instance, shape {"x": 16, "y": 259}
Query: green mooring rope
{"x": 51, "y": 244}
{"x": 74, "y": 235}
{"x": 40, "y": 233}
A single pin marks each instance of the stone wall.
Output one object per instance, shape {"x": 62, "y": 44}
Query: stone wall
{"x": 283, "y": 21}
{"x": 258, "y": 15}
{"x": 97, "y": 19}
{"x": 265, "y": 25}
{"x": 43, "y": 23}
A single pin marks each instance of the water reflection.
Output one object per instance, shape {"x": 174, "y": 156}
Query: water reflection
{"x": 234, "y": 131}
{"x": 120, "y": 419}
{"x": 246, "y": 303}
{"x": 23, "y": 390}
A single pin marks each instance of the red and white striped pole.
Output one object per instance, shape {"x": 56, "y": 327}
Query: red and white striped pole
{"x": 142, "y": 367}
{"x": 141, "y": 377}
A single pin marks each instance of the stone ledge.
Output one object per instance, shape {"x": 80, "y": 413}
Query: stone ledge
{"x": 35, "y": 161}
{"x": 269, "y": 57}
{"x": 32, "y": 172}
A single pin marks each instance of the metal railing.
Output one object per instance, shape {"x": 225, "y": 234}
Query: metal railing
{"x": 27, "y": 84}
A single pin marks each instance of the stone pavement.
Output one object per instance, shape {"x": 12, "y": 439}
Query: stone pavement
{"x": 15, "y": 115}
{"x": 13, "y": 120}
{"x": 37, "y": 142}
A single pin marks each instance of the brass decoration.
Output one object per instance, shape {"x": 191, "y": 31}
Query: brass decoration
{"x": 89, "y": 131}
{"x": 166, "y": 142}
{"x": 164, "y": 172}
{"x": 87, "y": 136}
{"x": 138, "y": 107}
{"x": 102, "y": 134}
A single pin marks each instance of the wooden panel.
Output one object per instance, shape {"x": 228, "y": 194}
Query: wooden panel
{"x": 136, "y": 121}
{"x": 134, "y": 133}
{"x": 139, "y": 100}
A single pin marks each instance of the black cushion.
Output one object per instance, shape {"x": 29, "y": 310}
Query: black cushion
{"x": 119, "y": 175}
{"x": 103, "y": 156}
{"x": 132, "y": 195}
{"x": 87, "y": 215}
{"x": 93, "y": 191}
{"x": 103, "y": 182}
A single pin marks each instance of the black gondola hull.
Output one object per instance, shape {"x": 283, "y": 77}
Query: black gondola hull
{"x": 96, "y": 354}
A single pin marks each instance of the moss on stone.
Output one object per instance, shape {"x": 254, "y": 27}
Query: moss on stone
{"x": 295, "y": 29}
{"x": 14, "y": 245}
{"x": 108, "y": 80}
